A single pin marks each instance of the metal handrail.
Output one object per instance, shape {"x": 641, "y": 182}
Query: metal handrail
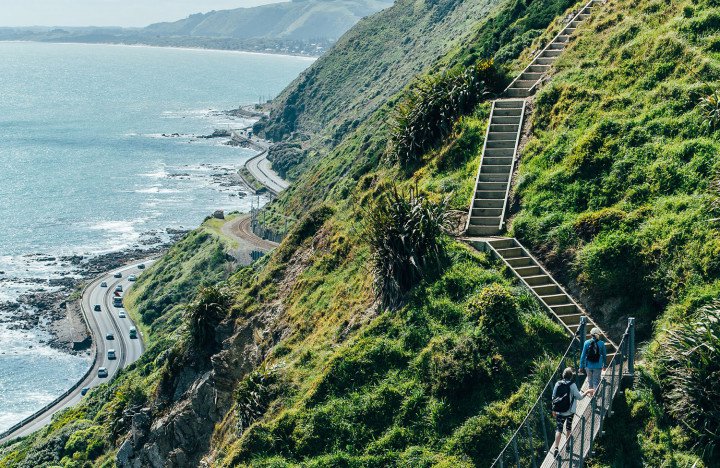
{"x": 523, "y": 450}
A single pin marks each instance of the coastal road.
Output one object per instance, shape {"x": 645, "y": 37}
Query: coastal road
{"x": 106, "y": 321}
{"x": 259, "y": 166}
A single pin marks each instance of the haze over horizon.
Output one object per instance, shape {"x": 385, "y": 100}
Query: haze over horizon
{"x": 125, "y": 13}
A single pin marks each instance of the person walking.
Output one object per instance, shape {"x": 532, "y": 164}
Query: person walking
{"x": 564, "y": 402}
{"x": 593, "y": 357}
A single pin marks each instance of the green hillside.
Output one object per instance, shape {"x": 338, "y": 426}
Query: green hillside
{"x": 371, "y": 338}
{"x": 298, "y": 20}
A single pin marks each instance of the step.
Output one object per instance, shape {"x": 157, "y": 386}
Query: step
{"x": 501, "y": 144}
{"x": 503, "y": 243}
{"x": 483, "y": 230}
{"x": 496, "y": 178}
{"x": 515, "y": 92}
{"x": 574, "y": 24}
{"x": 486, "y": 212}
{"x": 509, "y": 120}
{"x": 509, "y": 112}
{"x": 494, "y": 136}
{"x": 545, "y": 60}
{"x": 538, "y": 68}
{"x": 491, "y": 169}
{"x": 488, "y": 203}
{"x": 492, "y": 160}
{"x": 538, "y": 280}
{"x": 556, "y": 299}
{"x": 492, "y": 186}
{"x": 565, "y": 309}
{"x": 546, "y": 289}
{"x": 551, "y": 53}
{"x": 563, "y": 38}
{"x": 509, "y": 104}
{"x": 504, "y": 128}
{"x": 485, "y": 220}
{"x": 520, "y": 262}
{"x": 556, "y": 46}
{"x": 584, "y": 16}
{"x": 499, "y": 153}
{"x": 568, "y": 31}
{"x": 534, "y": 76}
{"x": 570, "y": 319}
{"x": 528, "y": 271}
{"x": 524, "y": 84}
{"x": 499, "y": 194}
{"x": 511, "y": 252}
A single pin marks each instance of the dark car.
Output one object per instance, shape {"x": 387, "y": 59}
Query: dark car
{"x": 109, "y": 336}
{"x": 97, "y": 308}
{"x": 103, "y": 284}
{"x": 102, "y": 372}
{"x": 141, "y": 266}
{"x": 118, "y": 275}
{"x": 84, "y": 390}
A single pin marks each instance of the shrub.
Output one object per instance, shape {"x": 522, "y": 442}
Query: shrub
{"x": 431, "y": 106}
{"x": 710, "y": 110}
{"x": 405, "y": 235}
{"x": 496, "y": 309}
{"x": 254, "y": 394}
{"x": 689, "y": 356}
{"x": 203, "y": 317}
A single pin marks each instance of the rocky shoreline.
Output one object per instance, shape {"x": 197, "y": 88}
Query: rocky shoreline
{"x": 53, "y": 306}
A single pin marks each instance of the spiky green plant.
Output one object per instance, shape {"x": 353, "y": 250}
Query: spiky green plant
{"x": 710, "y": 110}
{"x": 431, "y": 106}
{"x": 254, "y": 394}
{"x": 405, "y": 233}
{"x": 690, "y": 372}
{"x": 204, "y": 315}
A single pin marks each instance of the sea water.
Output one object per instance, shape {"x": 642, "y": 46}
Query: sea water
{"x": 85, "y": 169}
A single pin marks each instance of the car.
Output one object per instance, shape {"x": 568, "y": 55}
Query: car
{"x": 117, "y": 301}
{"x": 141, "y": 266}
{"x": 118, "y": 275}
{"x": 102, "y": 372}
{"x": 84, "y": 390}
{"x": 118, "y": 288}
{"x": 97, "y": 308}
{"x": 122, "y": 315}
{"x": 109, "y": 336}
{"x": 133, "y": 333}
{"x": 132, "y": 278}
{"x": 103, "y": 284}
{"x": 111, "y": 354}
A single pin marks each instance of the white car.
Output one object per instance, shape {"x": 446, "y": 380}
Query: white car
{"x": 118, "y": 288}
{"x": 103, "y": 284}
{"x": 122, "y": 315}
{"x": 132, "y": 278}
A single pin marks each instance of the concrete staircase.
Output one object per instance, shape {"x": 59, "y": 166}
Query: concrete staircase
{"x": 561, "y": 306}
{"x": 499, "y": 155}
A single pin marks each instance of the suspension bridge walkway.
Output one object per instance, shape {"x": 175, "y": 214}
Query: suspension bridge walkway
{"x": 530, "y": 444}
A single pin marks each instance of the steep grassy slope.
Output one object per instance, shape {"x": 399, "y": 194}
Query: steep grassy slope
{"x": 617, "y": 194}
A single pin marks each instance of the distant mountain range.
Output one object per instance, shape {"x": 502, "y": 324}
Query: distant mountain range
{"x": 306, "y": 27}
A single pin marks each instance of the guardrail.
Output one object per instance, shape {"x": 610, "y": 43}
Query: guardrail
{"x": 531, "y": 442}
{"x": 74, "y": 387}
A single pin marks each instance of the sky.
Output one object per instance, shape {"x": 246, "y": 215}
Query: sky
{"x": 108, "y": 12}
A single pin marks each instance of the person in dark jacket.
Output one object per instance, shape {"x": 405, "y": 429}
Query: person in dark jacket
{"x": 592, "y": 359}
{"x": 564, "y": 403}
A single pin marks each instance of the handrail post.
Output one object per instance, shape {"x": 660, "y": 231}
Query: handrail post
{"x": 582, "y": 439}
{"x": 571, "y": 448}
{"x": 581, "y": 332}
{"x": 631, "y": 346}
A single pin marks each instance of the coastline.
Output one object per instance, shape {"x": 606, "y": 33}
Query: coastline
{"x": 149, "y": 46}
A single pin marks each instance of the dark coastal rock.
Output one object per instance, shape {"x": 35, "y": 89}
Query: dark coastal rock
{"x": 82, "y": 345}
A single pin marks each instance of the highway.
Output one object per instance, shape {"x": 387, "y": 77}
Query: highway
{"x": 106, "y": 321}
{"x": 259, "y": 166}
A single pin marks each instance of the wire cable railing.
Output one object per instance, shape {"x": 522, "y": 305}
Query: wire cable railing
{"x": 530, "y": 444}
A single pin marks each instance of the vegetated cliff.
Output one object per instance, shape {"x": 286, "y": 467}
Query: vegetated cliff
{"x": 293, "y": 361}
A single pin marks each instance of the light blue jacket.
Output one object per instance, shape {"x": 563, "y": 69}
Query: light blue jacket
{"x": 585, "y": 364}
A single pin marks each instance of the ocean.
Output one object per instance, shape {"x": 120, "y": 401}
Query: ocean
{"x": 99, "y": 151}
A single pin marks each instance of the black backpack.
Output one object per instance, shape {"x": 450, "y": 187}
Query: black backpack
{"x": 593, "y": 353}
{"x": 563, "y": 399}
